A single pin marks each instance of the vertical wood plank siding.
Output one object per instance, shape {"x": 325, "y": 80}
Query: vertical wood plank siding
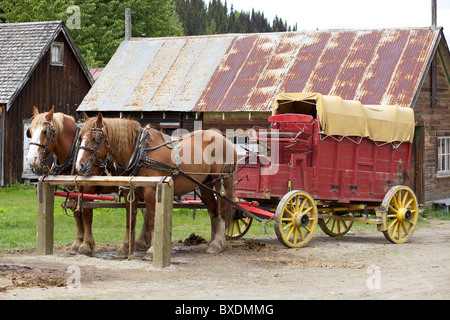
{"x": 61, "y": 86}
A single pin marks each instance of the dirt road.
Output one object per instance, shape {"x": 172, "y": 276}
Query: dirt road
{"x": 357, "y": 266}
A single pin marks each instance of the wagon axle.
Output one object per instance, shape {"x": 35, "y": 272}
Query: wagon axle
{"x": 404, "y": 215}
{"x": 301, "y": 220}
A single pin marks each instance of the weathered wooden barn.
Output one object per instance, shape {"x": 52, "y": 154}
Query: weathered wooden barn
{"x": 230, "y": 81}
{"x": 41, "y": 66}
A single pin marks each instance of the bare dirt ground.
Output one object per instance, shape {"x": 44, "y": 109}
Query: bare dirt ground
{"x": 356, "y": 266}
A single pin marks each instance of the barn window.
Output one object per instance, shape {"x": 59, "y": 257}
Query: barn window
{"x": 57, "y": 54}
{"x": 443, "y": 156}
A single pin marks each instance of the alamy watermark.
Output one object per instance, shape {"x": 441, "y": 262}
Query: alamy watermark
{"x": 74, "y": 20}
{"x": 373, "y": 281}
{"x": 262, "y": 148}
{"x": 74, "y": 279}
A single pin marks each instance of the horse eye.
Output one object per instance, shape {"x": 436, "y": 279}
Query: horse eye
{"x": 28, "y": 133}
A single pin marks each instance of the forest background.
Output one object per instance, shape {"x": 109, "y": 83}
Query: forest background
{"x": 97, "y": 26}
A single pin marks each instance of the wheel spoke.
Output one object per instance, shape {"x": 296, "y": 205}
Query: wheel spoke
{"x": 393, "y": 222}
{"x": 287, "y": 210}
{"x": 394, "y": 199}
{"x": 333, "y": 224}
{"x": 301, "y": 234}
{"x": 395, "y": 210}
{"x": 303, "y": 204}
{"x": 244, "y": 222}
{"x": 288, "y": 225}
{"x": 230, "y": 232}
{"x": 399, "y": 201}
{"x": 409, "y": 202}
{"x": 405, "y": 228}
{"x": 290, "y": 232}
{"x": 404, "y": 199}
{"x": 238, "y": 227}
{"x": 294, "y": 241}
{"x": 307, "y": 210}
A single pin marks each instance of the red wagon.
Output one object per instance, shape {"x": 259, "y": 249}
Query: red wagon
{"x": 329, "y": 162}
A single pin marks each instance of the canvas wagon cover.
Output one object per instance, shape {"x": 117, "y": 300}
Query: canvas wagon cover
{"x": 351, "y": 118}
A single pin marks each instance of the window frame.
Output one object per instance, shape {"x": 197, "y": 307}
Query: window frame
{"x": 60, "y": 60}
{"x": 443, "y": 156}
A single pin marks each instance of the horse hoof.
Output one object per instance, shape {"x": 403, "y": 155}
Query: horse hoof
{"x": 213, "y": 249}
{"x": 75, "y": 246}
{"x": 85, "y": 250}
{"x": 141, "y": 246}
{"x": 121, "y": 253}
{"x": 148, "y": 255}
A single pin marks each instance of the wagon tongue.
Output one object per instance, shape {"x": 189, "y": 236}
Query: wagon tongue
{"x": 247, "y": 210}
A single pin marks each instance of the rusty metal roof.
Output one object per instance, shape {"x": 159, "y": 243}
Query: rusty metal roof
{"x": 244, "y": 72}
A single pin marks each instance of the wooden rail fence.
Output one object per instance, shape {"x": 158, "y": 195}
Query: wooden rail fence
{"x": 163, "y": 214}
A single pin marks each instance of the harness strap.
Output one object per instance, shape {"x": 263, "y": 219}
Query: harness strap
{"x": 60, "y": 168}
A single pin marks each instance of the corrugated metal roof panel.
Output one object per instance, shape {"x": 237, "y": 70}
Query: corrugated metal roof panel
{"x": 244, "y": 72}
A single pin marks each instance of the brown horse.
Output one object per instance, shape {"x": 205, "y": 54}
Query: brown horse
{"x": 57, "y": 133}
{"x": 207, "y": 156}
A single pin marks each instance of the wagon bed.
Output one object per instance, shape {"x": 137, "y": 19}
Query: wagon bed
{"x": 331, "y": 162}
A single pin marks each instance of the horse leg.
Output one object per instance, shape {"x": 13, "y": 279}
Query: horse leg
{"x": 80, "y": 231}
{"x": 149, "y": 198}
{"x": 87, "y": 247}
{"x": 128, "y": 245}
{"x": 143, "y": 243}
{"x": 217, "y": 240}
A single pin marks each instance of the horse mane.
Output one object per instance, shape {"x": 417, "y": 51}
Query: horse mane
{"x": 121, "y": 133}
{"x": 58, "y": 121}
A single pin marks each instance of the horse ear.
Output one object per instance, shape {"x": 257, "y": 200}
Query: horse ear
{"x": 49, "y": 115}
{"x": 85, "y": 116}
{"x": 99, "y": 120}
{"x": 35, "y": 111}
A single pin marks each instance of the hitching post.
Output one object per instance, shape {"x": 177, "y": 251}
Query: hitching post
{"x": 163, "y": 215}
{"x": 163, "y": 223}
{"x": 45, "y": 225}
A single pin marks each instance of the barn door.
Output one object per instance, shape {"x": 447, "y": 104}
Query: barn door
{"x": 416, "y": 170}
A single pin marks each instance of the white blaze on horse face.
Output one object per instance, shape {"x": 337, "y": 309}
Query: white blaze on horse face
{"x": 80, "y": 153}
{"x": 33, "y": 150}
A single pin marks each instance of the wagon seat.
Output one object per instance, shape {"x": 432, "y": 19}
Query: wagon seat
{"x": 295, "y": 132}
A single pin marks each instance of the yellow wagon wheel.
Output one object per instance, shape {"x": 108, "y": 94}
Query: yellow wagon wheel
{"x": 336, "y": 228}
{"x": 238, "y": 226}
{"x": 296, "y": 219}
{"x": 402, "y": 214}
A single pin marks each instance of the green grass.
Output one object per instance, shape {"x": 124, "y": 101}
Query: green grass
{"x": 18, "y": 222}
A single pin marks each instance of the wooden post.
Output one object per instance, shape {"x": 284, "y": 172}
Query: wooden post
{"x": 163, "y": 215}
{"x": 163, "y": 224}
{"x": 45, "y": 203}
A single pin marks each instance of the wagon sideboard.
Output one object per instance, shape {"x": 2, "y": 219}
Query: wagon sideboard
{"x": 336, "y": 150}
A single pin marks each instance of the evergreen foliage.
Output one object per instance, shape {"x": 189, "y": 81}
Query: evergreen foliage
{"x": 101, "y": 28}
{"x": 198, "y": 18}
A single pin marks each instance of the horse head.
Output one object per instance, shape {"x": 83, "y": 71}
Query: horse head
{"x": 42, "y": 134}
{"x": 94, "y": 145}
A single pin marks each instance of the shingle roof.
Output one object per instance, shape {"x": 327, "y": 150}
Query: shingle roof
{"x": 244, "y": 72}
{"x": 22, "y": 45}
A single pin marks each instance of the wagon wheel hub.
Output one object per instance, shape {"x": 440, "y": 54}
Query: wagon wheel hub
{"x": 404, "y": 214}
{"x": 301, "y": 219}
